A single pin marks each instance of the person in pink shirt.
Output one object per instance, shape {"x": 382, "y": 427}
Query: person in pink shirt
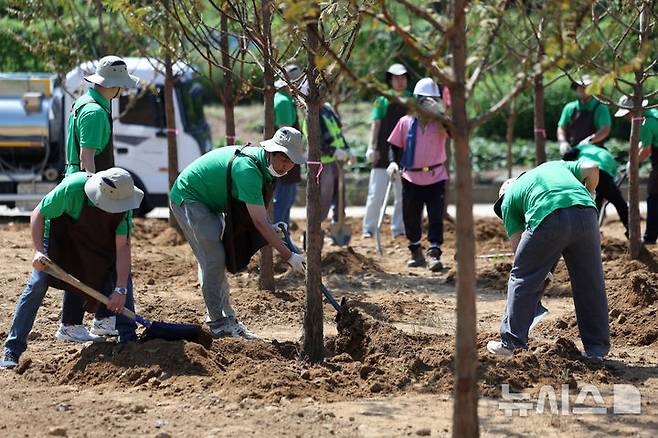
{"x": 420, "y": 153}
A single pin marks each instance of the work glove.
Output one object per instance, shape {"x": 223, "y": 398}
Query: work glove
{"x": 392, "y": 169}
{"x": 297, "y": 262}
{"x": 36, "y": 262}
{"x": 565, "y": 148}
{"x": 586, "y": 140}
{"x": 352, "y": 158}
{"x": 341, "y": 155}
{"x": 371, "y": 155}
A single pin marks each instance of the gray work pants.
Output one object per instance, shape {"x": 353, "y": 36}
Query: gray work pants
{"x": 203, "y": 230}
{"x": 574, "y": 234}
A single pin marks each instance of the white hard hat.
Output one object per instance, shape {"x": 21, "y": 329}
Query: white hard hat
{"x": 427, "y": 87}
{"x": 397, "y": 70}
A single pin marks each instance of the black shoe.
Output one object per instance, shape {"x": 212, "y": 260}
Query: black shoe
{"x": 434, "y": 259}
{"x": 417, "y": 260}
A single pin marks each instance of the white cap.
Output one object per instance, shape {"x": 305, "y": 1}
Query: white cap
{"x": 427, "y": 87}
{"x": 397, "y": 70}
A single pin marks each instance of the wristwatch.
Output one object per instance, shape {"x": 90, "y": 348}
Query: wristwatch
{"x": 121, "y": 290}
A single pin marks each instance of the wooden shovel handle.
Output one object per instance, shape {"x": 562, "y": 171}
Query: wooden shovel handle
{"x": 59, "y": 273}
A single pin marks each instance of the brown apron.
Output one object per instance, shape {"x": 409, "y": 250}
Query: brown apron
{"x": 241, "y": 238}
{"x": 85, "y": 248}
{"x": 582, "y": 125}
{"x": 104, "y": 160}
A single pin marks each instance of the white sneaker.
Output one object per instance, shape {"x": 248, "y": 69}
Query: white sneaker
{"x": 76, "y": 333}
{"x": 497, "y": 348}
{"x": 230, "y": 326}
{"x": 104, "y": 327}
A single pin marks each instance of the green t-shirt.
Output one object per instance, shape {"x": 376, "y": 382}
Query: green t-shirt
{"x": 600, "y": 156}
{"x": 68, "y": 198}
{"x": 541, "y": 191}
{"x": 204, "y": 180}
{"x": 649, "y": 129}
{"x": 381, "y": 106}
{"x": 601, "y": 115}
{"x": 91, "y": 127}
{"x": 285, "y": 113}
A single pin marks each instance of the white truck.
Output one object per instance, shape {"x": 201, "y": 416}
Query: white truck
{"x": 34, "y": 112}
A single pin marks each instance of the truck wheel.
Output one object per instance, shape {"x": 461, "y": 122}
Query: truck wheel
{"x": 146, "y": 205}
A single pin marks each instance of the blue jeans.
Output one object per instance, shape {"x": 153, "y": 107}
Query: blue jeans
{"x": 28, "y": 305}
{"x": 284, "y": 199}
{"x": 572, "y": 233}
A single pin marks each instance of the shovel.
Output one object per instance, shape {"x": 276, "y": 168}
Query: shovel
{"x": 155, "y": 329}
{"x": 283, "y": 227}
{"x": 340, "y": 232}
{"x": 380, "y": 220}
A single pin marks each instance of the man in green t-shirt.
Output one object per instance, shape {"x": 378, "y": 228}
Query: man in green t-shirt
{"x": 285, "y": 114}
{"x": 584, "y": 121}
{"x": 606, "y": 189}
{"x": 89, "y": 138}
{"x": 548, "y": 212}
{"x": 385, "y": 115}
{"x": 89, "y": 237}
{"x": 648, "y": 148}
{"x": 199, "y": 199}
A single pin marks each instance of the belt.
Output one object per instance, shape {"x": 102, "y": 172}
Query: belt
{"x": 424, "y": 168}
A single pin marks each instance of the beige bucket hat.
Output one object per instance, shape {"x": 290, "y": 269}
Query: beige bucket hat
{"x": 294, "y": 73}
{"x": 113, "y": 190}
{"x": 626, "y": 102}
{"x": 289, "y": 141}
{"x": 111, "y": 71}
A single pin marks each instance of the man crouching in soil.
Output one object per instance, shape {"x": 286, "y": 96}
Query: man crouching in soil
{"x": 549, "y": 212}
{"x": 232, "y": 180}
{"x": 89, "y": 221}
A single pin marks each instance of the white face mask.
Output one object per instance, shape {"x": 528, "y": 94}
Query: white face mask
{"x": 273, "y": 172}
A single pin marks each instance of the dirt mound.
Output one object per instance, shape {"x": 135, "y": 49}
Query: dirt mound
{"x": 168, "y": 237}
{"x": 612, "y": 248}
{"x": 549, "y": 364}
{"x": 348, "y": 261}
{"x": 490, "y": 229}
{"x": 495, "y": 277}
{"x": 148, "y": 229}
{"x": 633, "y": 304}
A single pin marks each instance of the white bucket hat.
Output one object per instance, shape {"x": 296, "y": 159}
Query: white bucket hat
{"x": 113, "y": 190}
{"x": 293, "y": 72}
{"x": 427, "y": 87}
{"x": 626, "y": 102}
{"x": 111, "y": 71}
{"x": 289, "y": 141}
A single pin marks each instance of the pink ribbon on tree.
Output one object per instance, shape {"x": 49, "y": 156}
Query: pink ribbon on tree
{"x": 540, "y": 131}
{"x": 638, "y": 119}
{"x": 317, "y": 176}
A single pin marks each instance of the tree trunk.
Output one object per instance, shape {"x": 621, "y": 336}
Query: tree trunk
{"x": 511, "y": 120}
{"x": 103, "y": 50}
{"x": 266, "y": 279}
{"x": 465, "y": 415}
{"x": 540, "y": 126}
{"x": 229, "y": 96}
{"x": 172, "y": 144}
{"x": 313, "y": 343}
{"x": 633, "y": 177}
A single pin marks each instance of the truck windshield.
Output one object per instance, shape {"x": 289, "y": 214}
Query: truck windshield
{"x": 191, "y": 97}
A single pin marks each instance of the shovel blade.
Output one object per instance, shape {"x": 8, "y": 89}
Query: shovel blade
{"x": 341, "y": 236}
{"x": 178, "y": 332}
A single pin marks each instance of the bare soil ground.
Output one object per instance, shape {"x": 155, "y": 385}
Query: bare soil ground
{"x": 390, "y": 357}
